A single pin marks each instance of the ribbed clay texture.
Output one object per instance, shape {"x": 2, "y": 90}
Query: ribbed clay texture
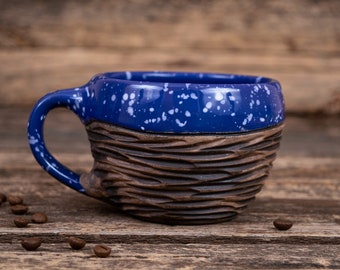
{"x": 179, "y": 179}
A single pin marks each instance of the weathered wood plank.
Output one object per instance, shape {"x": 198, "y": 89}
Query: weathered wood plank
{"x": 310, "y": 83}
{"x": 169, "y": 256}
{"x": 316, "y": 220}
{"x": 271, "y": 26}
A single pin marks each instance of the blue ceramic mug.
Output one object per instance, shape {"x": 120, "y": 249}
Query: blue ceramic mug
{"x": 170, "y": 147}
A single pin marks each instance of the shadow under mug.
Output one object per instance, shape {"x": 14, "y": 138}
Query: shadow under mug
{"x": 170, "y": 147}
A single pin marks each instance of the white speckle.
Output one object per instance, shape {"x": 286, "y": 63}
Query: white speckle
{"x": 256, "y": 88}
{"x": 251, "y": 104}
{"x": 176, "y": 110}
{"x": 158, "y": 119}
{"x": 125, "y": 96}
{"x": 171, "y": 92}
{"x": 128, "y": 75}
{"x": 130, "y": 111}
{"x": 151, "y": 109}
{"x": 219, "y": 96}
{"x": 184, "y": 96}
{"x": 187, "y": 114}
{"x": 262, "y": 119}
{"x": 193, "y": 96}
{"x": 248, "y": 119}
{"x": 267, "y": 90}
{"x": 142, "y": 128}
{"x": 104, "y": 102}
{"x": 153, "y": 120}
{"x": 218, "y": 107}
{"x": 258, "y": 79}
{"x": 232, "y": 98}
{"x": 187, "y": 85}
{"x": 131, "y": 102}
{"x": 205, "y": 110}
{"x": 113, "y": 98}
{"x": 132, "y": 96}
{"x": 36, "y": 149}
{"x": 172, "y": 111}
{"x": 166, "y": 85}
{"x": 180, "y": 124}
{"x": 87, "y": 91}
{"x": 233, "y": 114}
{"x": 146, "y": 121}
{"x": 164, "y": 116}
{"x": 257, "y": 102}
{"x": 208, "y": 105}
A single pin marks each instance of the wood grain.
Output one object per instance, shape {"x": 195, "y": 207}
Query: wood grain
{"x": 305, "y": 26}
{"x": 310, "y": 82}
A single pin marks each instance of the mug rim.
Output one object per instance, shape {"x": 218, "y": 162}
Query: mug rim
{"x": 183, "y": 77}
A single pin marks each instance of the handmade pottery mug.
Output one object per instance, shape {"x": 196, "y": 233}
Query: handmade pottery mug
{"x": 170, "y": 147}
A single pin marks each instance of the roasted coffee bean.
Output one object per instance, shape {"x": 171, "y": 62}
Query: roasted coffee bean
{"x": 19, "y": 209}
{"x": 13, "y": 200}
{"x": 76, "y": 243}
{"x": 31, "y": 243}
{"x": 21, "y": 222}
{"x": 282, "y": 224}
{"x": 39, "y": 217}
{"x": 102, "y": 251}
{"x": 3, "y": 198}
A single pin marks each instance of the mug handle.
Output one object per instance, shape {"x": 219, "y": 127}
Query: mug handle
{"x": 68, "y": 98}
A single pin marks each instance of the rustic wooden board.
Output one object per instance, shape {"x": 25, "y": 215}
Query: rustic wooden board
{"x": 310, "y": 82}
{"x": 257, "y": 25}
{"x": 304, "y": 186}
{"x": 180, "y": 256}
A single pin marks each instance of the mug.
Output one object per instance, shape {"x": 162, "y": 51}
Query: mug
{"x": 170, "y": 147}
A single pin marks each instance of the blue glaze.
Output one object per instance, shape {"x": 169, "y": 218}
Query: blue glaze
{"x": 162, "y": 102}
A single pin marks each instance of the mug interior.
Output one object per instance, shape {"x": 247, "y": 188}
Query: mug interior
{"x": 187, "y": 77}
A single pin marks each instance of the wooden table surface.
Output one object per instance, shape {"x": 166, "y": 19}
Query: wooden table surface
{"x": 304, "y": 186}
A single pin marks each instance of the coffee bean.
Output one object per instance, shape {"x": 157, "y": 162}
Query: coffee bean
{"x": 13, "y": 200}
{"x": 39, "y": 217}
{"x": 282, "y": 224}
{"x": 76, "y": 243}
{"x": 3, "y": 198}
{"x": 102, "y": 251}
{"x": 19, "y": 209}
{"x": 31, "y": 243}
{"x": 21, "y": 222}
